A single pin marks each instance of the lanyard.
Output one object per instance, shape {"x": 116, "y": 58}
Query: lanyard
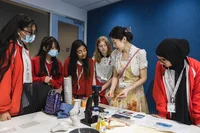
{"x": 47, "y": 67}
{"x": 176, "y": 87}
{"x": 79, "y": 76}
{"x": 47, "y": 70}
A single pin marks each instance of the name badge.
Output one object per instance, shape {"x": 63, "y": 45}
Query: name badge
{"x": 104, "y": 79}
{"x": 171, "y": 107}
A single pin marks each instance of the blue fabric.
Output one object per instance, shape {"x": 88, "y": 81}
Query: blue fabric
{"x": 64, "y": 110}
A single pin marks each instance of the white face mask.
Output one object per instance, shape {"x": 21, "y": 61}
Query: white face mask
{"x": 28, "y": 39}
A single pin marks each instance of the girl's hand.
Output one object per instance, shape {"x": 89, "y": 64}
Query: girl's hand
{"x": 47, "y": 79}
{"x": 5, "y": 116}
{"x": 59, "y": 90}
{"x": 123, "y": 94}
{"x": 102, "y": 89}
{"x": 110, "y": 94}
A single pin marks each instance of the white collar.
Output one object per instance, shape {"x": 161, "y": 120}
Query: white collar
{"x": 79, "y": 63}
{"x": 49, "y": 62}
{"x": 20, "y": 44}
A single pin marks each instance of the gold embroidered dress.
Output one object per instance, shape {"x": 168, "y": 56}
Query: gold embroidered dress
{"x": 136, "y": 100}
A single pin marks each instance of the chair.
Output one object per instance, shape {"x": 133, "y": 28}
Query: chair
{"x": 150, "y": 100}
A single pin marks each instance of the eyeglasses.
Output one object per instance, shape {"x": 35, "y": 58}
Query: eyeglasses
{"x": 30, "y": 32}
{"x": 162, "y": 60}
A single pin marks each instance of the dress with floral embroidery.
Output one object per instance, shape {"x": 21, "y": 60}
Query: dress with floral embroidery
{"x": 135, "y": 100}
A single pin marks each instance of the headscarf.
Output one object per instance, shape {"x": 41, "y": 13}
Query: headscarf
{"x": 173, "y": 50}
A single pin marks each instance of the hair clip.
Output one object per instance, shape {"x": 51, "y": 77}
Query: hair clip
{"x": 128, "y": 29}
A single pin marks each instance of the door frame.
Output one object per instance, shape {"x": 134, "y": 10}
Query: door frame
{"x": 54, "y": 18}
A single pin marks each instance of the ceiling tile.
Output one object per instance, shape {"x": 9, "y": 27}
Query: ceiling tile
{"x": 81, "y": 3}
{"x": 89, "y": 4}
{"x": 96, "y": 5}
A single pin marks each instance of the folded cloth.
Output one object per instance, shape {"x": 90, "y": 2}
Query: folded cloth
{"x": 64, "y": 110}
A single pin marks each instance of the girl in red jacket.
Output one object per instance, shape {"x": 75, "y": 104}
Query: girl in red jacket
{"x": 45, "y": 66}
{"x": 15, "y": 63}
{"x": 176, "y": 85}
{"x": 103, "y": 67}
{"x": 81, "y": 68}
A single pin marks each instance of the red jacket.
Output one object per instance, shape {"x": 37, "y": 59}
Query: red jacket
{"x": 193, "y": 94}
{"x": 56, "y": 82}
{"x": 12, "y": 83}
{"x": 85, "y": 85}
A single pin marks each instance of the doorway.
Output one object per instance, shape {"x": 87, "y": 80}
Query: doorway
{"x": 66, "y": 30}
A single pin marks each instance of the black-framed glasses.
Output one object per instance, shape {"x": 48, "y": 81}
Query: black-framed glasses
{"x": 30, "y": 32}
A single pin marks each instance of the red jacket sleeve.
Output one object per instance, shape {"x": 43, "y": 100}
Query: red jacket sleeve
{"x": 159, "y": 94}
{"x": 5, "y": 90}
{"x": 89, "y": 84}
{"x": 12, "y": 84}
{"x": 58, "y": 81}
{"x": 195, "y": 94}
{"x": 35, "y": 61}
{"x": 6, "y": 87}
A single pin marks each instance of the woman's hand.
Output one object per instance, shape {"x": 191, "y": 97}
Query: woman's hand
{"x": 102, "y": 89}
{"x": 110, "y": 94}
{"x": 123, "y": 94}
{"x": 47, "y": 79}
{"x": 5, "y": 116}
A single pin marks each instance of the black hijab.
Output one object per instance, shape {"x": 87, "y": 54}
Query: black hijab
{"x": 175, "y": 51}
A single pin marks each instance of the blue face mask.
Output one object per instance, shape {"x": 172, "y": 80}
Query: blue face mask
{"x": 53, "y": 53}
{"x": 32, "y": 38}
{"x": 28, "y": 39}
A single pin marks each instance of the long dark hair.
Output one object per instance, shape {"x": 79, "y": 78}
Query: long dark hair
{"x": 47, "y": 43}
{"x": 9, "y": 36}
{"x": 119, "y": 32}
{"x": 74, "y": 58}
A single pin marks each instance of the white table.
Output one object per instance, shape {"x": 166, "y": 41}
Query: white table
{"x": 137, "y": 128}
{"x": 46, "y": 122}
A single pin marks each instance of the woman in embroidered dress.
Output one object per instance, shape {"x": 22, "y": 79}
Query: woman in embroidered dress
{"x": 103, "y": 67}
{"x": 128, "y": 92}
{"x": 81, "y": 68}
{"x": 177, "y": 82}
{"x": 15, "y": 63}
{"x": 45, "y": 66}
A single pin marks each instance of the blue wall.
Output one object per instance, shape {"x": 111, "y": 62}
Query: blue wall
{"x": 151, "y": 21}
